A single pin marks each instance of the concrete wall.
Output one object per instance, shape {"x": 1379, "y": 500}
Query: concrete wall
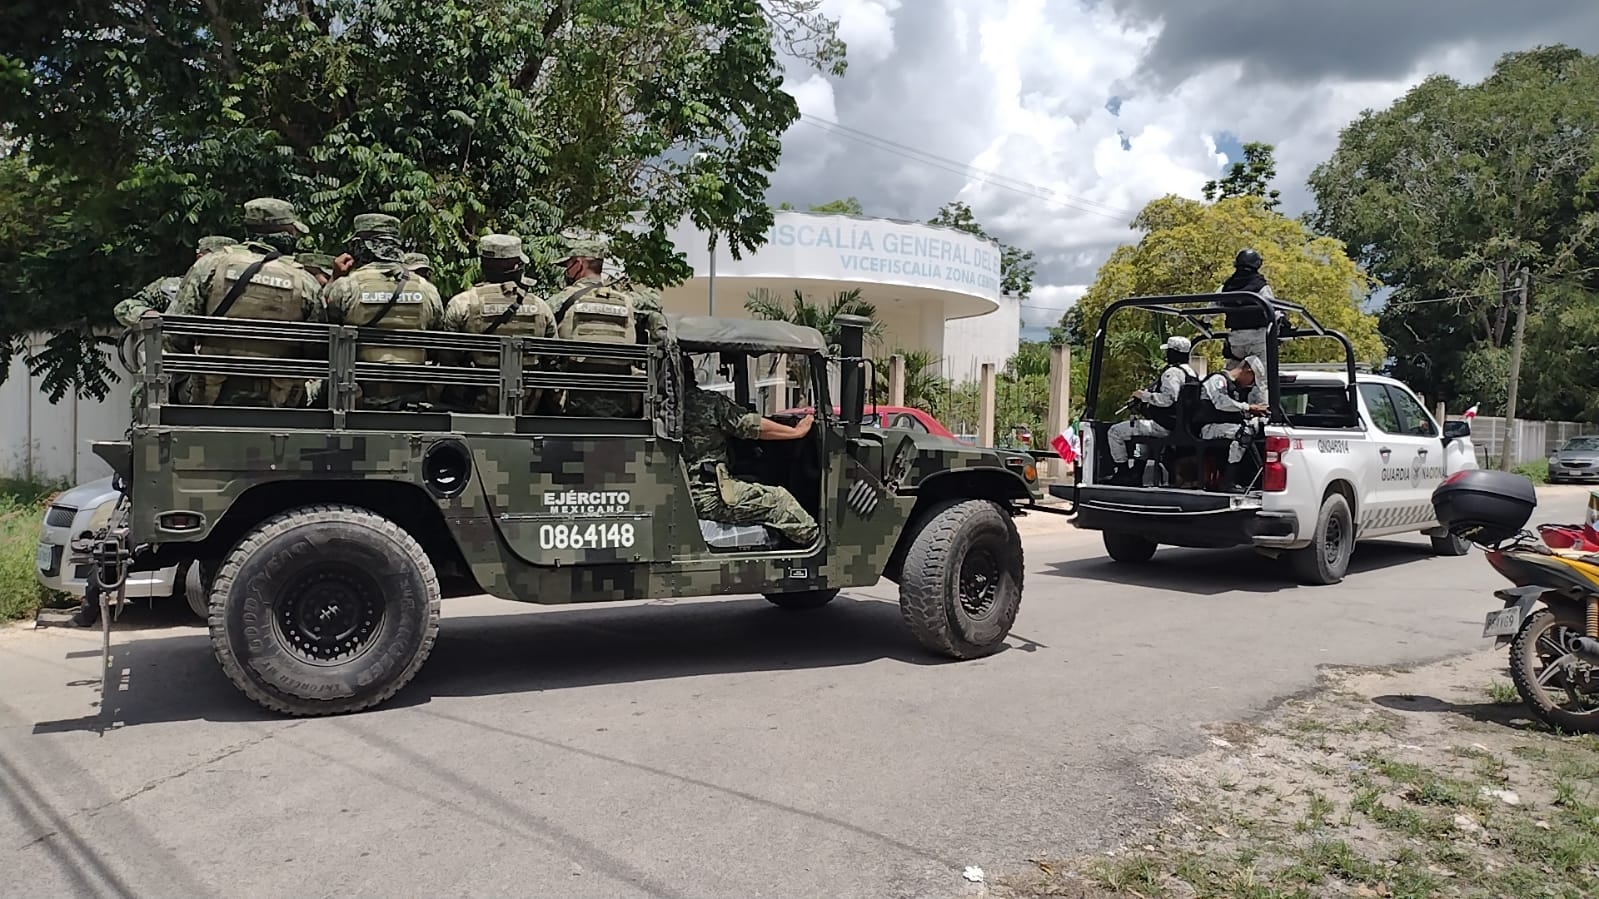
{"x": 969, "y": 343}
{"x": 48, "y": 441}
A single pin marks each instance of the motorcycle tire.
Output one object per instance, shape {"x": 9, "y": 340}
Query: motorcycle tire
{"x": 1525, "y": 665}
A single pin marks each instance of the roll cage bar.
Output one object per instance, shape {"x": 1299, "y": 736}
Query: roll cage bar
{"x": 1196, "y": 308}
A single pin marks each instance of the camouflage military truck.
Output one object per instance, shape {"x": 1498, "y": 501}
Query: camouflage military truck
{"x": 328, "y": 536}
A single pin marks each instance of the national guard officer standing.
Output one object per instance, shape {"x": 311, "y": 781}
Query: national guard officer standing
{"x": 502, "y": 303}
{"x": 381, "y": 292}
{"x": 709, "y": 421}
{"x": 261, "y": 280}
{"x": 1246, "y": 321}
{"x": 159, "y": 294}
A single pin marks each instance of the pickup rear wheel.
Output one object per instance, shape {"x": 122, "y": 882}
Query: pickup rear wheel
{"x": 1128, "y": 548}
{"x": 1450, "y": 545}
{"x": 1332, "y": 542}
{"x": 323, "y": 610}
{"x": 962, "y": 581}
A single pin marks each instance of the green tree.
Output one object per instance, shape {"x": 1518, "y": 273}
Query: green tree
{"x": 924, "y": 387}
{"x": 801, "y": 310}
{"x": 139, "y": 127}
{"x": 846, "y": 206}
{"x": 1454, "y": 186}
{"x": 1250, "y": 177}
{"x": 1188, "y": 247}
{"x": 1016, "y": 266}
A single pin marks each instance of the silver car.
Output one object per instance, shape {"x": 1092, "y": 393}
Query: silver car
{"x": 78, "y": 513}
{"x": 1578, "y": 460}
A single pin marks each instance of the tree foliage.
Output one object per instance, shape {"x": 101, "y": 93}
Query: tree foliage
{"x": 846, "y": 206}
{"x": 135, "y": 128}
{"x": 1249, "y": 177}
{"x": 1455, "y": 186}
{"x": 1188, "y": 247}
{"x": 925, "y": 388}
{"x": 1016, "y": 266}
{"x": 799, "y": 309}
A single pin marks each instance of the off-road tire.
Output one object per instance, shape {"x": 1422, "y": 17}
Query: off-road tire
{"x": 264, "y": 609}
{"x": 930, "y": 593}
{"x": 1523, "y": 654}
{"x": 1321, "y": 564}
{"x": 198, "y": 579}
{"x": 1128, "y": 548}
{"x": 802, "y": 601}
{"x": 1450, "y": 545}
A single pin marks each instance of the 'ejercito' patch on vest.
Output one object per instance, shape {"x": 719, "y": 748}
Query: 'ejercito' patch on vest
{"x": 382, "y": 296}
{"x": 499, "y": 309}
{"x": 261, "y": 278}
{"x": 600, "y": 309}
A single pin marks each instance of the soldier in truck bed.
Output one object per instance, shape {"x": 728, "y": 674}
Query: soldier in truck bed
{"x": 502, "y": 303}
{"x": 159, "y": 294}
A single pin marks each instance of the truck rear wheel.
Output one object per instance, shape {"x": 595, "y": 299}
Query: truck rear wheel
{"x": 323, "y": 610}
{"x": 962, "y": 581}
{"x": 1128, "y": 548}
{"x": 1326, "y": 559}
{"x": 1450, "y": 545}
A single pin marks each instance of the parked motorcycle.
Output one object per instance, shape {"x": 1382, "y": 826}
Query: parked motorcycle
{"x": 1550, "y": 617}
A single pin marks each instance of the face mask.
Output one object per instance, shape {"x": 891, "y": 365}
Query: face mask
{"x": 281, "y": 241}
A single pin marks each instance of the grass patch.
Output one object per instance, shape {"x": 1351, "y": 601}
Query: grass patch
{"x": 21, "y": 510}
{"x": 1536, "y": 471}
{"x": 1503, "y": 692}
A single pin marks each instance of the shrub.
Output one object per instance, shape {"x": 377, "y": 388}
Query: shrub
{"x": 21, "y": 510}
{"x": 1537, "y": 470}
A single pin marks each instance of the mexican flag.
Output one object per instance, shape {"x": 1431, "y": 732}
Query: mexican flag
{"x": 1471, "y": 413}
{"x": 1067, "y": 444}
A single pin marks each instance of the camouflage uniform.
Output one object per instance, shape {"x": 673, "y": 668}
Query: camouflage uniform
{"x": 709, "y": 419}
{"x": 280, "y": 290}
{"x": 384, "y": 293}
{"x": 159, "y": 294}
{"x": 616, "y": 308}
{"x": 506, "y": 307}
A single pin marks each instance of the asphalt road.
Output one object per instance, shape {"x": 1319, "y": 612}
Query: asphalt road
{"x": 689, "y": 748}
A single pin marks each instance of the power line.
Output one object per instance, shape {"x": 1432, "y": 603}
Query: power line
{"x": 979, "y": 175}
{"x": 996, "y": 176}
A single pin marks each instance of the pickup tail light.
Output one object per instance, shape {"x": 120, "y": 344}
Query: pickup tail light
{"x": 1274, "y": 474}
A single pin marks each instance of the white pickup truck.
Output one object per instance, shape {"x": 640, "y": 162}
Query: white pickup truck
{"x": 1329, "y": 476}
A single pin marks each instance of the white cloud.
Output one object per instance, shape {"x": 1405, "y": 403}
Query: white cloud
{"x": 866, "y": 26}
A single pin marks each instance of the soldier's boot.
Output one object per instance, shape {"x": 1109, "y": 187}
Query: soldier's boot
{"x": 1127, "y": 474}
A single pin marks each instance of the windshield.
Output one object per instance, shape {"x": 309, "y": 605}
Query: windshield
{"x": 1581, "y": 445}
{"x": 1317, "y": 405}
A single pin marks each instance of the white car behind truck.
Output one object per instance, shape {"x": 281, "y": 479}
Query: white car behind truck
{"x": 78, "y": 513}
{"x": 1336, "y": 466}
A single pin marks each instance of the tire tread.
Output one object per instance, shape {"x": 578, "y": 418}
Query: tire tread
{"x": 921, "y": 594}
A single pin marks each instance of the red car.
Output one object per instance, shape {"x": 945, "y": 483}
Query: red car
{"x": 891, "y": 417}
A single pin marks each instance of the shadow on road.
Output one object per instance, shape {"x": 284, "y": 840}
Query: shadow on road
{"x": 1212, "y": 572}
{"x": 176, "y": 678}
{"x": 1512, "y": 715}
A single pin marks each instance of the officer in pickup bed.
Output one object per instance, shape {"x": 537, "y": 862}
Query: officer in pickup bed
{"x": 259, "y": 279}
{"x": 503, "y": 303}
{"x": 1246, "y": 321}
{"x": 1157, "y": 406}
{"x": 1230, "y": 412}
{"x": 382, "y": 292}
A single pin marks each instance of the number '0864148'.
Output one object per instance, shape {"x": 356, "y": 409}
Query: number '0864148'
{"x": 586, "y": 536}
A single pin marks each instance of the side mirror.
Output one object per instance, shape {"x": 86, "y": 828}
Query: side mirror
{"x": 1456, "y": 430}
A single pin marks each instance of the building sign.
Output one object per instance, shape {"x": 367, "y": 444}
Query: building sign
{"x": 845, "y": 248}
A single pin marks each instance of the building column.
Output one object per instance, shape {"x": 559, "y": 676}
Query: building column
{"x": 896, "y": 380}
{"x": 1060, "y": 392}
{"x": 985, "y": 405}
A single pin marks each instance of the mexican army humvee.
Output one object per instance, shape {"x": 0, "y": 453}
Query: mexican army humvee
{"x": 327, "y": 536}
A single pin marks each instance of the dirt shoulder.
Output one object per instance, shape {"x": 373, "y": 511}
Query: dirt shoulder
{"x": 1405, "y": 783}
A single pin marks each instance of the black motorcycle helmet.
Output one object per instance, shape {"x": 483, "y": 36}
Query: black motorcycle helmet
{"x": 1248, "y": 258}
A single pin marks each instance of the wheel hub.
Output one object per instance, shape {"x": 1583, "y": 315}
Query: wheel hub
{"x": 329, "y": 614}
{"x": 979, "y": 582}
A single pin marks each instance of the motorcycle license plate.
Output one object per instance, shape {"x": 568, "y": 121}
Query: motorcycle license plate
{"x": 1503, "y": 622}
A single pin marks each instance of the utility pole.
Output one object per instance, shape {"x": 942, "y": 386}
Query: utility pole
{"x": 1512, "y": 445}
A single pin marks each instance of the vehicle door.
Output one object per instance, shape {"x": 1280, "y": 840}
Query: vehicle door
{"x": 1396, "y": 451}
{"x": 1430, "y": 465}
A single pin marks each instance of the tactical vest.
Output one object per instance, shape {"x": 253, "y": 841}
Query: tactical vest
{"x": 600, "y": 314}
{"x": 505, "y": 309}
{"x": 276, "y": 292}
{"x": 1209, "y": 414}
{"x": 1165, "y": 416}
{"x": 375, "y": 305}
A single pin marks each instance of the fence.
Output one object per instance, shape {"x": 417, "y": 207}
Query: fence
{"x": 48, "y": 441}
{"x": 1534, "y": 439}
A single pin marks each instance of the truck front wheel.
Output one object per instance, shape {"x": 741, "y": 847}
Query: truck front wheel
{"x": 1326, "y": 559}
{"x": 323, "y": 610}
{"x": 962, "y": 582}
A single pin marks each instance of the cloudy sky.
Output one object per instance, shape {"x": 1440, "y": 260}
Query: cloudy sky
{"x": 1057, "y": 119}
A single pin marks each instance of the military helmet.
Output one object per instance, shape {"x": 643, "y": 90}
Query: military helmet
{"x": 1248, "y": 258}
{"x": 1179, "y": 344}
{"x": 501, "y": 246}
{"x": 316, "y": 262}
{"x": 270, "y": 212}
{"x": 377, "y": 223}
{"x": 212, "y": 243}
{"x": 417, "y": 262}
